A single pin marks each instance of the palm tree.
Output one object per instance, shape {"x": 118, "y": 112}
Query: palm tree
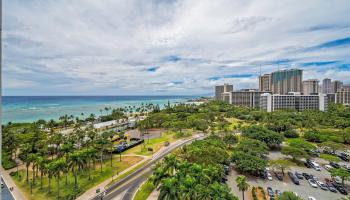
{"x": 169, "y": 189}
{"x": 66, "y": 149}
{"x": 59, "y": 166}
{"x": 75, "y": 160}
{"x": 242, "y": 184}
{"x": 50, "y": 169}
{"x": 42, "y": 161}
{"x": 26, "y": 150}
{"x": 289, "y": 196}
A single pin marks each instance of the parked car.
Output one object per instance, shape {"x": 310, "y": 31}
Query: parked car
{"x": 335, "y": 165}
{"x": 347, "y": 167}
{"x": 321, "y": 185}
{"x": 340, "y": 188}
{"x": 328, "y": 167}
{"x": 311, "y": 198}
{"x": 344, "y": 157}
{"x": 299, "y": 175}
{"x": 293, "y": 178}
{"x": 337, "y": 179}
{"x": 331, "y": 187}
{"x": 267, "y": 175}
{"x": 226, "y": 169}
{"x": 306, "y": 175}
{"x": 315, "y": 165}
{"x": 278, "y": 193}
{"x": 313, "y": 183}
{"x": 279, "y": 176}
{"x": 307, "y": 164}
{"x": 270, "y": 192}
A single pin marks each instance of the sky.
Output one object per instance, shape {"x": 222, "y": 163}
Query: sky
{"x": 169, "y": 47}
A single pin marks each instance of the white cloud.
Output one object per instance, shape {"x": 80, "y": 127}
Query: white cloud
{"x": 90, "y": 47}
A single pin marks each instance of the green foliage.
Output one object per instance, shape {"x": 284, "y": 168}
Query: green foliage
{"x": 7, "y": 162}
{"x": 289, "y": 196}
{"x": 330, "y": 158}
{"x": 249, "y": 156}
{"x": 342, "y": 173}
{"x": 144, "y": 191}
{"x": 291, "y": 133}
{"x": 271, "y": 138}
{"x": 294, "y": 152}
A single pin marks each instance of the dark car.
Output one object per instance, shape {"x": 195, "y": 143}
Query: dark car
{"x": 335, "y": 165}
{"x": 340, "y": 188}
{"x": 299, "y": 175}
{"x": 279, "y": 176}
{"x": 307, "y": 164}
{"x": 330, "y": 187}
{"x": 306, "y": 175}
{"x": 293, "y": 178}
{"x": 226, "y": 169}
{"x": 344, "y": 157}
{"x": 270, "y": 191}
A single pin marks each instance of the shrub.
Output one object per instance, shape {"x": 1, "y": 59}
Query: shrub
{"x": 291, "y": 133}
{"x": 7, "y": 162}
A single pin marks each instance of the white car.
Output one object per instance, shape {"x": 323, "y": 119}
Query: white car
{"x": 311, "y": 198}
{"x": 269, "y": 177}
{"x": 313, "y": 183}
{"x": 337, "y": 179}
{"x": 328, "y": 167}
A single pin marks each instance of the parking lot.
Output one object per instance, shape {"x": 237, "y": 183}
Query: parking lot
{"x": 304, "y": 189}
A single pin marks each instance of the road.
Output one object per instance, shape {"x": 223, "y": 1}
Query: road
{"x": 5, "y": 192}
{"x": 129, "y": 184}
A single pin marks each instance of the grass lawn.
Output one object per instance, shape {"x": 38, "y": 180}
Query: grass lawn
{"x": 67, "y": 191}
{"x": 144, "y": 191}
{"x": 154, "y": 143}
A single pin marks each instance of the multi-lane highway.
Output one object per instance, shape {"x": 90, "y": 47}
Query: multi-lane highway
{"x": 126, "y": 188}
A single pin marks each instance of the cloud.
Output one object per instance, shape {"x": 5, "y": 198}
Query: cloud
{"x": 167, "y": 47}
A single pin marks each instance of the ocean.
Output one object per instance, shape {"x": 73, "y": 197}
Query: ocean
{"x": 32, "y": 108}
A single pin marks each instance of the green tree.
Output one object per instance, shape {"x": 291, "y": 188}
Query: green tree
{"x": 294, "y": 152}
{"x": 289, "y": 196}
{"x": 242, "y": 184}
{"x": 333, "y": 146}
{"x": 342, "y": 173}
{"x": 281, "y": 164}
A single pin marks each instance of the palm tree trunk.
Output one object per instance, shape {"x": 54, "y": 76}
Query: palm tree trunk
{"x": 111, "y": 159}
{"x": 75, "y": 178}
{"x": 33, "y": 175}
{"x": 27, "y": 173}
{"x": 101, "y": 161}
{"x": 41, "y": 179}
{"x": 243, "y": 194}
{"x": 49, "y": 186}
{"x": 58, "y": 185}
{"x": 89, "y": 170}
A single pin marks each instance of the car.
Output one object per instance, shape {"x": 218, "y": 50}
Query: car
{"x": 278, "y": 193}
{"x": 279, "y": 176}
{"x": 340, "y": 188}
{"x": 321, "y": 185}
{"x": 293, "y": 178}
{"x": 270, "y": 192}
{"x": 347, "y": 167}
{"x": 267, "y": 175}
{"x": 337, "y": 179}
{"x": 315, "y": 165}
{"x": 335, "y": 165}
{"x": 299, "y": 175}
{"x": 306, "y": 175}
{"x": 313, "y": 177}
{"x": 328, "y": 167}
{"x": 226, "y": 169}
{"x": 313, "y": 183}
{"x": 331, "y": 187}
{"x": 344, "y": 157}
{"x": 311, "y": 198}
{"x": 2, "y": 184}
{"x": 307, "y": 165}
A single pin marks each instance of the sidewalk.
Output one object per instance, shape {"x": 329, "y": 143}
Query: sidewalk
{"x": 17, "y": 194}
{"x": 92, "y": 191}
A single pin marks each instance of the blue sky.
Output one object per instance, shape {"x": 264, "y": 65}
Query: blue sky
{"x": 111, "y": 47}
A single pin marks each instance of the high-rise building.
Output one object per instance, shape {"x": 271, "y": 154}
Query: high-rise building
{"x": 327, "y": 86}
{"x": 271, "y": 102}
{"x": 337, "y": 85}
{"x": 343, "y": 95}
{"x": 220, "y": 89}
{"x": 247, "y": 98}
{"x": 310, "y": 86}
{"x": 284, "y": 81}
{"x": 265, "y": 82}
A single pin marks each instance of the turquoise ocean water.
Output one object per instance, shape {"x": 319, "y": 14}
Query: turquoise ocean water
{"x": 32, "y": 108}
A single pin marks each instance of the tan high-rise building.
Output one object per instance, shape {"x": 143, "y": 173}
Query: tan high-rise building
{"x": 284, "y": 81}
{"x": 343, "y": 95}
{"x": 310, "y": 87}
{"x": 220, "y": 89}
{"x": 265, "y": 82}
